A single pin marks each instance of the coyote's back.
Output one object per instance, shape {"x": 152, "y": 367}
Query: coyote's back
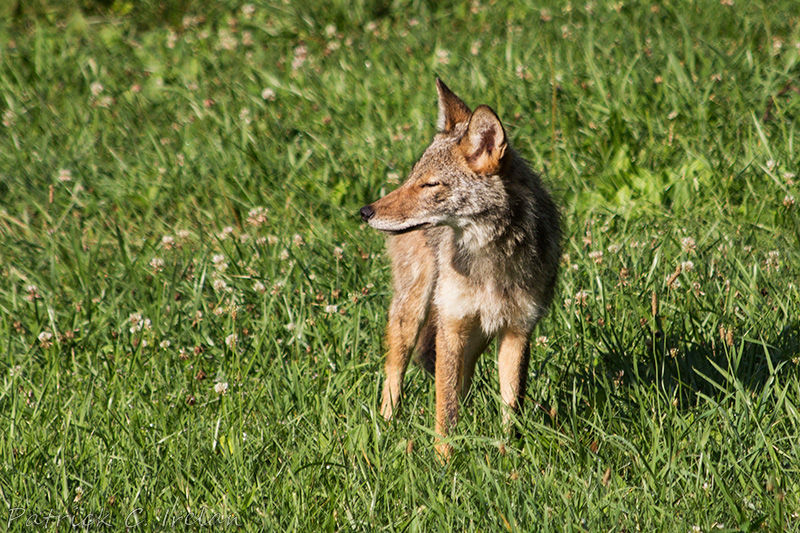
{"x": 474, "y": 241}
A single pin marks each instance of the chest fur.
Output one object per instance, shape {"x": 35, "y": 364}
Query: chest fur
{"x": 494, "y": 292}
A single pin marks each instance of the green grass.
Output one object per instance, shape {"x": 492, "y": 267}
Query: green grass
{"x": 669, "y": 398}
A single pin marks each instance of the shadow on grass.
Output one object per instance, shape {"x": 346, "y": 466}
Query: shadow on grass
{"x": 688, "y": 368}
{"x": 684, "y": 368}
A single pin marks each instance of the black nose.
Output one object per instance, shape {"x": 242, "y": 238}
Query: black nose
{"x": 367, "y": 213}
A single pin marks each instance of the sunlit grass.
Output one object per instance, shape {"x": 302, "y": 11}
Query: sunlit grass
{"x": 191, "y": 314}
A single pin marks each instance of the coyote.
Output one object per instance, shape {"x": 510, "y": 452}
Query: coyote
{"x": 473, "y": 237}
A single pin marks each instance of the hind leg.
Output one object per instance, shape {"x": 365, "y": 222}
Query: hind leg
{"x": 413, "y": 269}
{"x": 426, "y": 343}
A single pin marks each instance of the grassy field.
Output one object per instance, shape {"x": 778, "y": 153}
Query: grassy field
{"x": 192, "y": 313}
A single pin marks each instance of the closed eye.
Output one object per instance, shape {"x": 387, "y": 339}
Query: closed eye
{"x": 430, "y": 184}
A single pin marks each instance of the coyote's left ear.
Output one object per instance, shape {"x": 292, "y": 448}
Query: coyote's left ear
{"x": 485, "y": 143}
{"x": 451, "y": 109}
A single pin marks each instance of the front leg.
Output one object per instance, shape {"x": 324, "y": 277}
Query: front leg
{"x": 512, "y": 363}
{"x": 456, "y": 340}
{"x": 406, "y": 318}
{"x": 414, "y": 275}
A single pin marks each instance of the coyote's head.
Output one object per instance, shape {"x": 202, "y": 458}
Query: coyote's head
{"x": 457, "y": 181}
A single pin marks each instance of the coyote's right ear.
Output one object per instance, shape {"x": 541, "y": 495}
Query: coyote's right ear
{"x": 451, "y": 109}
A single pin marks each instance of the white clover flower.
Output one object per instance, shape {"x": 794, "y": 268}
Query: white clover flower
{"x": 475, "y": 48}
{"x": 157, "y": 264}
{"x": 225, "y": 233}
{"x": 33, "y": 293}
{"x": 257, "y": 216}
{"x": 773, "y": 261}
{"x": 135, "y": 320}
{"x": 227, "y": 41}
{"x": 9, "y": 118}
{"x": 443, "y": 56}
{"x": 230, "y": 340}
{"x": 45, "y": 339}
{"x": 219, "y": 262}
{"x": 596, "y": 256}
{"x": 300, "y": 54}
{"x": 582, "y": 298}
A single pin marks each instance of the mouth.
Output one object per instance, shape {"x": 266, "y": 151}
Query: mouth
{"x": 406, "y": 230}
{"x": 396, "y": 229}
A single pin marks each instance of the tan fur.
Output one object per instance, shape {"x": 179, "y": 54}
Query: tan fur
{"x": 474, "y": 242}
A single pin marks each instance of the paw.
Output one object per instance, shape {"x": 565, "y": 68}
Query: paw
{"x": 388, "y": 409}
{"x": 445, "y": 451}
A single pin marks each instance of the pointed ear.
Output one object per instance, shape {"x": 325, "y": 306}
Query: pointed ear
{"x": 451, "y": 109}
{"x": 484, "y": 144}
